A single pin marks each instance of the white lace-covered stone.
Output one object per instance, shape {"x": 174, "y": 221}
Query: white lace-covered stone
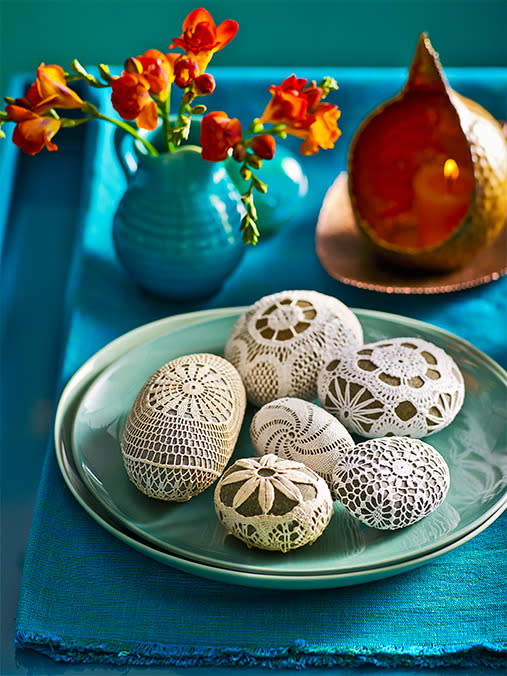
{"x": 272, "y": 503}
{"x": 281, "y": 342}
{"x": 392, "y": 482}
{"x": 400, "y": 386}
{"x": 183, "y": 426}
{"x": 298, "y": 430}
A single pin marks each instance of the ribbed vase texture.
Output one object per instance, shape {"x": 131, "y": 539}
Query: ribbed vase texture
{"x": 176, "y": 230}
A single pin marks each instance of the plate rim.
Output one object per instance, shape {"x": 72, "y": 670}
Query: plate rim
{"x": 136, "y": 337}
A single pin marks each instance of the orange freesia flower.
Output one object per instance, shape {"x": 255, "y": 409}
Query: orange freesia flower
{"x": 290, "y": 103}
{"x": 158, "y": 69}
{"x": 299, "y": 106}
{"x": 201, "y": 37}
{"x": 132, "y": 101}
{"x": 51, "y": 90}
{"x": 32, "y": 132}
{"x": 323, "y": 132}
{"x": 219, "y": 134}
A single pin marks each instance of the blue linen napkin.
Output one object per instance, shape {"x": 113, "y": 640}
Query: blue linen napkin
{"x": 87, "y": 597}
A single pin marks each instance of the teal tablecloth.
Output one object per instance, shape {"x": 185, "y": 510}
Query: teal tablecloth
{"x": 87, "y": 597}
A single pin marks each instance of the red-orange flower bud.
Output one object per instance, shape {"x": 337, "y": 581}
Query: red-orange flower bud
{"x": 32, "y": 132}
{"x": 239, "y": 152}
{"x": 185, "y": 71}
{"x": 219, "y": 134}
{"x": 204, "y": 84}
{"x": 133, "y": 65}
{"x": 264, "y": 146}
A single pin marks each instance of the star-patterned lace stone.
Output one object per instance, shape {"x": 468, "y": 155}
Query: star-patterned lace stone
{"x": 401, "y": 386}
{"x": 272, "y": 503}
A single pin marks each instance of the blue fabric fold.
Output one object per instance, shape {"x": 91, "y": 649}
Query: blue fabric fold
{"x": 87, "y": 597}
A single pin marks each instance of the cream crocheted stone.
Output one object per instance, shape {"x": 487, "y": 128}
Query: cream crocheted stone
{"x": 183, "y": 426}
{"x": 273, "y": 504}
{"x": 297, "y": 430}
{"x": 392, "y": 482}
{"x": 282, "y": 341}
{"x": 400, "y": 386}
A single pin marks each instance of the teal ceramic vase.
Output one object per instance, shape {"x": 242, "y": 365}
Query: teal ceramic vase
{"x": 176, "y": 229}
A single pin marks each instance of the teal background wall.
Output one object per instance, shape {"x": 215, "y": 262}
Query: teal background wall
{"x": 272, "y": 32}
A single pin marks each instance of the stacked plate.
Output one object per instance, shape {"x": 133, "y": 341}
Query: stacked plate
{"x": 188, "y": 536}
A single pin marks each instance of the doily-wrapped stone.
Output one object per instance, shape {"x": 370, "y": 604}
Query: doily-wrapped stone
{"x": 183, "y": 426}
{"x": 282, "y": 341}
{"x": 400, "y": 386}
{"x": 273, "y": 504}
{"x": 392, "y": 482}
{"x": 298, "y": 430}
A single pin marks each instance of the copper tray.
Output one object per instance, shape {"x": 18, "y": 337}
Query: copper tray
{"x": 346, "y": 255}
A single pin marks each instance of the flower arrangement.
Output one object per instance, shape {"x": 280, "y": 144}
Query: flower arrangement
{"x": 142, "y": 94}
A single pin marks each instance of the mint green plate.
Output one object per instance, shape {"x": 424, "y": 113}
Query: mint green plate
{"x": 96, "y": 401}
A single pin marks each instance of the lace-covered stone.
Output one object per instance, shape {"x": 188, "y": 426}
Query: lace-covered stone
{"x": 281, "y": 342}
{"x": 400, "y": 386}
{"x": 298, "y": 430}
{"x": 183, "y": 426}
{"x": 273, "y": 504}
{"x": 392, "y": 482}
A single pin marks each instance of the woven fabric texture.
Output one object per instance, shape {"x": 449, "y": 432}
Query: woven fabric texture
{"x": 87, "y": 597}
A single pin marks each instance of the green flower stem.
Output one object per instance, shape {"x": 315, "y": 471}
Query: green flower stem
{"x": 130, "y": 130}
{"x": 166, "y": 110}
{"x": 276, "y": 130}
{"x": 68, "y": 122}
{"x": 182, "y": 128}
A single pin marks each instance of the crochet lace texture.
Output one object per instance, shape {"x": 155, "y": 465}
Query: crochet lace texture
{"x": 401, "y": 386}
{"x": 282, "y": 341}
{"x": 392, "y": 482}
{"x": 298, "y": 430}
{"x": 183, "y": 426}
{"x": 273, "y": 504}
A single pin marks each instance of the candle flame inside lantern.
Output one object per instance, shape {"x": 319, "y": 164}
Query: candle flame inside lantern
{"x": 451, "y": 173}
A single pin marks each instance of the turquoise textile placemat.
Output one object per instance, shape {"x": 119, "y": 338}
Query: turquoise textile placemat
{"x": 87, "y": 597}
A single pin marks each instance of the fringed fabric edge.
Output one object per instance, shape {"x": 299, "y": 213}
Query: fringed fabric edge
{"x": 299, "y": 655}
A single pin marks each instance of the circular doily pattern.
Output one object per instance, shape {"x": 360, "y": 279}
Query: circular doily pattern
{"x": 400, "y": 386}
{"x": 392, "y": 482}
{"x": 183, "y": 426}
{"x": 281, "y": 342}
